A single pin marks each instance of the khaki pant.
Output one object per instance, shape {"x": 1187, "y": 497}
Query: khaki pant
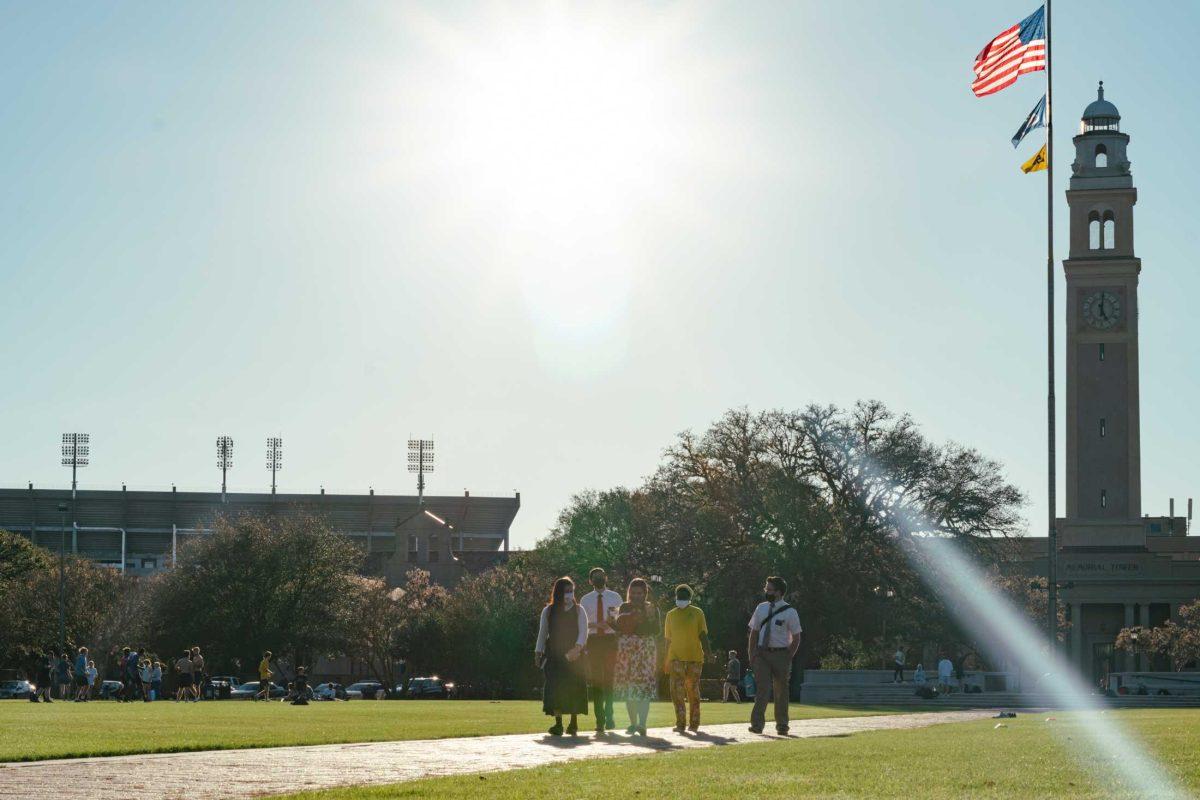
{"x": 773, "y": 669}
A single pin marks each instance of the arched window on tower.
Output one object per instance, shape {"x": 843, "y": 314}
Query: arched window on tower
{"x": 1101, "y": 156}
{"x": 1094, "y": 242}
{"x": 1108, "y": 234}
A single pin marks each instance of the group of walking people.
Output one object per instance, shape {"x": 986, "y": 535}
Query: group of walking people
{"x": 609, "y": 645}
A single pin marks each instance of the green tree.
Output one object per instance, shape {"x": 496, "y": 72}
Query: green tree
{"x": 390, "y": 624}
{"x": 829, "y": 498}
{"x": 30, "y": 610}
{"x": 279, "y": 582}
{"x": 1176, "y": 641}
{"x": 490, "y": 622}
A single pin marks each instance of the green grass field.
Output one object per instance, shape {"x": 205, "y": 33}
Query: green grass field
{"x": 1028, "y": 758}
{"x": 31, "y": 731}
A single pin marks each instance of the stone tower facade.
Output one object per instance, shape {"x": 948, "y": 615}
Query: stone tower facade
{"x": 1103, "y": 480}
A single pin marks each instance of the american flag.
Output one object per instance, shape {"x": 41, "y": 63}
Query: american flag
{"x": 1020, "y": 49}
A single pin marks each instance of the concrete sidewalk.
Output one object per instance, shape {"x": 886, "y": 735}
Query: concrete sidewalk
{"x": 279, "y": 770}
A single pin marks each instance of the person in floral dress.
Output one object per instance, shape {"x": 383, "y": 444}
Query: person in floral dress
{"x": 635, "y": 677}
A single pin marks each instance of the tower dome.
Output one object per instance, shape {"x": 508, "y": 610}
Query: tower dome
{"x": 1100, "y": 115}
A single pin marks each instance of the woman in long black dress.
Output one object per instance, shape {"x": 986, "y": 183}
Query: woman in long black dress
{"x": 562, "y": 634}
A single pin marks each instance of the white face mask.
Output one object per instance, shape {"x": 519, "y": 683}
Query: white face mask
{"x": 568, "y": 599}
{"x": 682, "y": 603}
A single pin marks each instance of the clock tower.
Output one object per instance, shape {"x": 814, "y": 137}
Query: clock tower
{"x": 1103, "y": 479}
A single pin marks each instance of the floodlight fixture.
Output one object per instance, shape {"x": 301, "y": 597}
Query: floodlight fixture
{"x": 274, "y": 457}
{"x": 75, "y": 453}
{"x": 224, "y": 459}
{"x": 420, "y": 461}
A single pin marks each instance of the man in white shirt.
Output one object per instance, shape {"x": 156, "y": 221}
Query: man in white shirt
{"x": 898, "y": 665}
{"x": 945, "y": 671}
{"x": 601, "y": 605}
{"x": 774, "y": 639}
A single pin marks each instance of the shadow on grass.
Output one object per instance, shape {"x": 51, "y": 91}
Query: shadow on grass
{"x": 710, "y": 738}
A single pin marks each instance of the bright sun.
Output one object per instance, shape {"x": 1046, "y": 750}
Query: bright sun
{"x": 557, "y": 129}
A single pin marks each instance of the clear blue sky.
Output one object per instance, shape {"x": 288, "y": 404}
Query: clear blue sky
{"x": 553, "y": 237}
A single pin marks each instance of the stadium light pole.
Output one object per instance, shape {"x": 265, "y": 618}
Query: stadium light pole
{"x": 420, "y": 461}
{"x": 274, "y": 457}
{"x": 224, "y": 459}
{"x": 75, "y": 451}
{"x": 62, "y": 581}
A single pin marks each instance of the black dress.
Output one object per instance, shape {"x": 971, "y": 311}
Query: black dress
{"x": 565, "y": 690}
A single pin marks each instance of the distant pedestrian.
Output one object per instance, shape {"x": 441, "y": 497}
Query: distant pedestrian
{"x": 774, "y": 639}
{"x": 601, "y": 606}
{"x": 898, "y": 665}
{"x": 919, "y": 675}
{"x": 145, "y": 673}
{"x": 197, "y": 673}
{"x": 63, "y": 676}
{"x": 45, "y": 677}
{"x": 945, "y": 671}
{"x": 123, "y": 675}
{"x": 92, "y": 674}
{"x": 562, "y": 635}
{"x": 81, "y": 679}
{"x": 183, "y": 675}
{"x": 635, "y": 677}
{"x": 133, "y": 680}
{"x": 156, "y": 679}
{"x": 264, "y": 677}
{"x": 686, "y": 632}
{"x": 733, "y": 678}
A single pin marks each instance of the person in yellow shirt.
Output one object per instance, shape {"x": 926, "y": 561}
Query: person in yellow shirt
{"x": 264, "y": 677}
{"x": 686, "y": 632}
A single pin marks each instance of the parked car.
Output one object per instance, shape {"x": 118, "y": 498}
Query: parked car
{"x": 247, "y": 690}
{"x": 330, "y": 691}
{"x": 109, "y": 690}
{"x": 220, "y": 687}
{"x": 363, "y": 690}
{"x": 16, "y": 690}
{"x": 429, "y": 689}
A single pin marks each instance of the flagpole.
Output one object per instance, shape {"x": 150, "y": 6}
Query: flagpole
{"x": 1052, "y": 540}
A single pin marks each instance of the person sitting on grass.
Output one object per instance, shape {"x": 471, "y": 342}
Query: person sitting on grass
{"x": 300, "y": 688}
{"x": 562, "y": 635}
{"x": 264, "y": 677}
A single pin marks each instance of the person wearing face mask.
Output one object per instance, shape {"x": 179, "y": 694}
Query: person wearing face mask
{"x": 635, "y": 677}
{"x": 562, "y": 634}
{"x": 601, "y": 606}
{"x": 774, "y": 639}
{"x": 686, "y": 632}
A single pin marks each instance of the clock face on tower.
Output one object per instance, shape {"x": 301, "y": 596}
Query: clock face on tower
{"x": 1101, "y": 310}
